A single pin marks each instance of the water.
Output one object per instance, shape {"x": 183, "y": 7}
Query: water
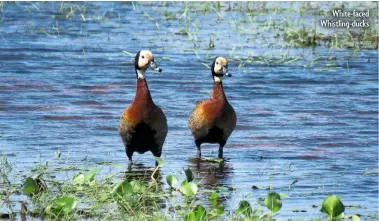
{"x": 64, "y": 91}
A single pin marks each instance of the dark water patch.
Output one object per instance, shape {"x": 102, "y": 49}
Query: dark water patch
{"x": 311, "y": 82}
{"x": 106, "y": 128}
{"x": 87, "y": 102}
{"x": 368, "y": 112}
{"x": 100, "y": 107}
{"x": 371, "y": 132}
{"x": 63, "y": 118}
{"x": 26, "y": 87}
{"x": 93, "y": 87}
{"x": 32, "y": 108}
{"x": 107, "y": 117}
{"x": 119, "y": 101}
{"x": 246, "y": 127}
{"x": 334, "y": 144}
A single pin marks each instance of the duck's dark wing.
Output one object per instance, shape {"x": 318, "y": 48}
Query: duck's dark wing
{"x": 158, "y": 124}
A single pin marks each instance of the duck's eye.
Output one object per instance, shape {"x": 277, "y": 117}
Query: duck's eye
{"x": 217, "y": 63}
{"x": 143, "y": 57}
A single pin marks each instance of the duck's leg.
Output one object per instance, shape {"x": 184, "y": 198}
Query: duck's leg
{"x": 157, "y": 155}
{"x": 198, "y": 153}
{"x": 220, "y": 150}
{"x": 129, "y": 153}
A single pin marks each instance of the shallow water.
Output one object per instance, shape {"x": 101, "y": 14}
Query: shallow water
{"x": 65, "y": 92}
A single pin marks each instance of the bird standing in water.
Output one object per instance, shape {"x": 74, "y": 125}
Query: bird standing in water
{"x": 213, "y": 120}
{"x": 143, "y": 125}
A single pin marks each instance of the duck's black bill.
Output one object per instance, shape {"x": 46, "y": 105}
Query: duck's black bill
{"x": 155, "y": 66}
{"x": 225, "y": 71}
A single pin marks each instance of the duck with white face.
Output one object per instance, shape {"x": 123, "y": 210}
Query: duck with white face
{"x": 219, "y": 69}
{"x": 213, "y": 120}
{"x": 144, "y": 59}
{"x": 143, "y": 125}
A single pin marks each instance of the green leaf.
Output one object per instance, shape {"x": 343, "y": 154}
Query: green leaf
{"x": 218, "y": 211}
{"x": 138, "y": 186}
{"x": 332, "y": 206}
{"x": 62, "y": 206}
{"x": 172, "y": 180}
{"x": 30, "y": 186}
{"x": 190, "y": 216}
{"x": 355, "y": 218}
{"x": 122, "y": 189}
{"x": 78, "y": 179}
{"x": 244, "y": 208}
{"x": 188, "y": 189}
{"x": 273, "y": 202}
{"x": 200, "y": 213}
{"x": 90, "y": 175}
{"x": 213, "y": 196}
{"x": 189, "y": 174}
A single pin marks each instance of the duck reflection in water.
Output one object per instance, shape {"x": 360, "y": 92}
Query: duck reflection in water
{"x": 211, "y": 173}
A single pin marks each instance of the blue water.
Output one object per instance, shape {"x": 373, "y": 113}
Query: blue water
{"x": 64, "y": 91}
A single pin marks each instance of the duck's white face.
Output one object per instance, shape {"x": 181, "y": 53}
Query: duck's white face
{"x": 219, "y": 64}
{"x": 220, "y": 69}
{"x": 145, "y": 60}
{"x": 145, "y": 56}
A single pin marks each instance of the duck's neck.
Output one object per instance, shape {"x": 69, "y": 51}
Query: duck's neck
{"x": 142, "y": 92}
{"x": 218, "y": 91}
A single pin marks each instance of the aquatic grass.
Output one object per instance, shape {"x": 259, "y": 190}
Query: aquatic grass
{"x": 88, "y": 194}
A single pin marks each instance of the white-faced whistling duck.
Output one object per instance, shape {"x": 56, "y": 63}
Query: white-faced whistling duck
{"x": 143, "y": 125}
{"x": 213, "y": 120}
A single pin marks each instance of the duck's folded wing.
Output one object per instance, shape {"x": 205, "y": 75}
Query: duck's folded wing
{"x": 159, "y": 125}
{"x": 228, "y": 121}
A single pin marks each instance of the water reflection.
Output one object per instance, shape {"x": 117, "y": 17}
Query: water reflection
{"x": 212, "y": 173}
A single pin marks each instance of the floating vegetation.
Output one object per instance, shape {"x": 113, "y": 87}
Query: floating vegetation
{"x": 87, "y": 195}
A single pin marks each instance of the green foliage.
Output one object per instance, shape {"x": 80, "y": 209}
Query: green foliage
{"x": 190, "y": 216}
{"x": 213, "y": 198}
{"x": 244, "y": 208}
{"x": 122, "y": 190}
{"x": 172, "y": 180}
{"x": 91, "y": 175}
{"x": 200, "y": 213}
{"x": 81, "y": 179}
{"x": 78, "y": 179}
{"x": 333, "y": 207}
{"x": 189, "y": 174}
{"x": 30, "y": 186}
{"x": 62, "y": 206}
{"x": 138, "y": 186}
{"x": 188, "y": 188}
{"x": 33, "y": 186}
{"x": 273, "y": 202}
{"x": 355, "y": 218}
